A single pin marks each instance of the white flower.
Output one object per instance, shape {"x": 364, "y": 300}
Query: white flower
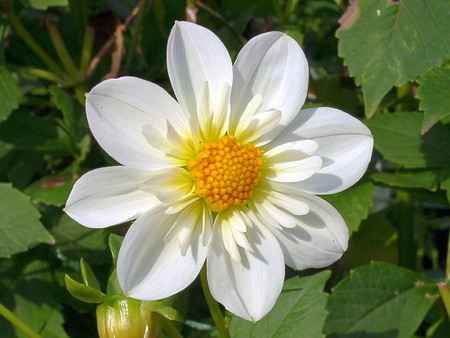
{"x": 227, "y": 174}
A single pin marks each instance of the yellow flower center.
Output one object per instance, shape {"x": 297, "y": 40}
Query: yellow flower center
{"x": 225, "y": 172}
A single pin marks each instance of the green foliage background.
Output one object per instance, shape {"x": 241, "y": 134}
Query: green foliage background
{"x": 386, "y": 62}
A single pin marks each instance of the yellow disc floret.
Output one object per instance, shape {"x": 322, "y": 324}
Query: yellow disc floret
{"x": 225, "y": 172}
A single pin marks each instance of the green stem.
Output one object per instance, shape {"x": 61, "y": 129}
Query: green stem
{"x": 445, "y": 295}
{"x": 13, "y": 319}
{"x": 404, "y": 221}
{"x": 279, "y": 11}
{"x": 213, "y": 306}
{"x": 23, "y": 33}
{"x": 135, "y": 35}
{"x": 61, "y": 50}
{"x": 86, "y": 51}
{"x": 80, "y": 94}
{"x": 169, "y": 328}
{"x": 41, "y": 74}
{"x": 447, "y": 268}
{"x": 288, "y": 10}
{"x": 421, "y": 243}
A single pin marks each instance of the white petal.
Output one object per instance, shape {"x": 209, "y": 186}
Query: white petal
{"x": 288, "y": 202}
{"x": 177, "y": 206}
{"x": 171, "y": 143}
{"x": 213, "y": 117}
{"x": 265, "y": 218}
{"x": 170, "y": 185}
{"x": 292, "y": 150}
{"x": 196, "y": 56}
{"x": 319, "y": 239}
{"x": 250, "y": 287}
{"x": 283, "y": 218}
{"x": 344, "y": 143}
{"x": 207, "y": 223}
{"x": 109, "y": 196}
{"x": 293, "y": 171}
{"x": 262, "y": 128}
{"x": 228, "y": 239}
{"x": 184, "y": 225}
{"x": 273, "y": 65}
{"x": 270, "y": 214}
{"x": 117, "y": 109}
{"x": 149, "y": 268}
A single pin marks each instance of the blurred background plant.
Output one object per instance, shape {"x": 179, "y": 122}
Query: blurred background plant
{"x": 385, "y": 62}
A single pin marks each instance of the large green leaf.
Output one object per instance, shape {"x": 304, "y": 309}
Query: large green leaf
{"x": 31, "y": 297}
{"x": 25, "y": 131}
{"x": 434, "y": 96}
{"x": 75, "y": 241}
{"x": 20, "y": 227}
{"x": 424, "y": 179}
{"x": 68, "y": 109}
{"x": 398, "y": 137}
{"x": 392, "y": 42}
{"x": 52, "y": 190}
{"x": 299, "y": 312}
{"x": 376, "y": 239}
{"x": 9, "y": 94}
{"x": 379, "y": 300}
{"x": 353, "y": 204}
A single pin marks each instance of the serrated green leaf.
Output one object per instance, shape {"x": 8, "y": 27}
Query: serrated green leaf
{"x": 419, "y": 179}
{"x": 434, "y": 96}
{"x": 398, "y": 137}
{"x": 51, "y": 190}
{"x": 66, "y": 105}
{"x": 299, "y": 312}
{"x": 330, "y": 92}
{"x": 20, "y": 227}
{"x": 22, "y": 166}
{"x": 83, "y": 292}
{"x": 115, "y": 241}
{"x": 353, "y": 204}
{"x": 88, "y": 275}
{"x": 31, "y": 297}
{"x": 26, "y": 131}
{"x": 74, "y": 241}
{"x": 9, "y": 94}
{"x": 393, "y": 42}
{"x": 370, "y": 301}
{"x": 376, "y": 239}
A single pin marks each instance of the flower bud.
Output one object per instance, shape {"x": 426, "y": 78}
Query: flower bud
{"x": 120, "y": 317}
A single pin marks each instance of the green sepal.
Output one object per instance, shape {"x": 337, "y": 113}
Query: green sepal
{"x": 88, "y": 275}
{"x": 84, "y": 292}
{"x": 115, "y": 241}
{"x": 113, "y": 287}
{"x": 163, "y": 309}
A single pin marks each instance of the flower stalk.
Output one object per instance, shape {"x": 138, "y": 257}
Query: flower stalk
{"x": 26, "y": 36}
{"x": 213, "y": 306}
{"x": 444, "y": 291}
{"x": 61, "y": 50}
{"x": 405, "y": 227}
{"x": 17, "y": 322}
